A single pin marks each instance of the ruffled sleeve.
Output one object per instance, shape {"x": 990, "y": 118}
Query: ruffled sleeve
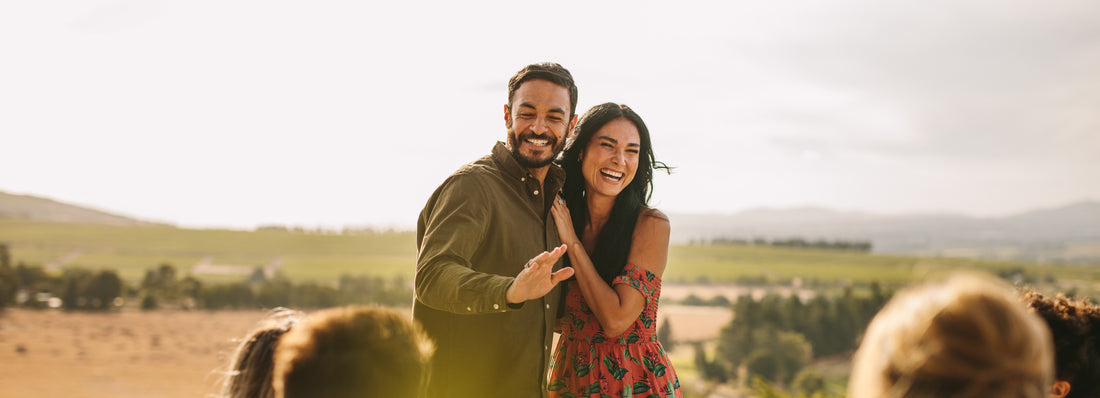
{"x": 641, "y": 279}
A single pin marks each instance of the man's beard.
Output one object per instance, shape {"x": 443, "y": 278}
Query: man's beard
{"x": 556, "y": 146}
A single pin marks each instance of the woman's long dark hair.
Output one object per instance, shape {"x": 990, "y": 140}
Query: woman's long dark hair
{"x": 613, "y": 241}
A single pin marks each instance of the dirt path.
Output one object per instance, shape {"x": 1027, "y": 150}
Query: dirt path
{"x": 56, "y": 264}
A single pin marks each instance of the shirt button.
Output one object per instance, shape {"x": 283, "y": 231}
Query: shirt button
{"x": 496, "y": 306}
{"x": 523, "y": 179}
{"x": 548, "y": 306}
{"x": 536, "y": 192}
{"x": 469, "y": 309}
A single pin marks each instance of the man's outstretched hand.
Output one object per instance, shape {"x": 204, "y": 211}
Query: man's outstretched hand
{"x": 537, "y": 277}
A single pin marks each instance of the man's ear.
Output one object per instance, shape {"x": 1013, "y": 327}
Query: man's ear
{"x": 1060, "y": 389}
{"x": 572, "y": 124}
{"x": 507, "y": 117}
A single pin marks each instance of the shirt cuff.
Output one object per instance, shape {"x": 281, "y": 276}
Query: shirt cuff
{"x": 504, "y": 298}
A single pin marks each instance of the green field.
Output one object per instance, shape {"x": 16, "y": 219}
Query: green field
{"x": 780, "y": 265}
{"x": 131, "y": 250}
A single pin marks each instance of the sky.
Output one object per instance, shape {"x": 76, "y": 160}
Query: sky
{"x": 238, "y": 113}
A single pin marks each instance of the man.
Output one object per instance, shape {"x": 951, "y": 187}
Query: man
{"x": 486, "y": 250}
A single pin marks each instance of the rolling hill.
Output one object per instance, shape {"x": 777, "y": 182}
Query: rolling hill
{"x": 26, "y": 207}
{"x": 1068, "y": 233}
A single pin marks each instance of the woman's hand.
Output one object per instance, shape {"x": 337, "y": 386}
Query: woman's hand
{"x": 564, "y": 221}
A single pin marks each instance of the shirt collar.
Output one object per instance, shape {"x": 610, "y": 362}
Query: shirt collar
{"x": 555, "y": 176}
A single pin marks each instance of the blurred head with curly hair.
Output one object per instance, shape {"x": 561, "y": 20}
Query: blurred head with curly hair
{"x": 1075, "y": 328}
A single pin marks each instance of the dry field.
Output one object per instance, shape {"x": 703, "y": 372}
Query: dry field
{"x": 167, "y": 354}
{"x": 122, "y": 355}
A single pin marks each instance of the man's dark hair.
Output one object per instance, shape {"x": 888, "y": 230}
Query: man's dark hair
{"x": 549, "y": 71}
{"x": 1075, "y": 329}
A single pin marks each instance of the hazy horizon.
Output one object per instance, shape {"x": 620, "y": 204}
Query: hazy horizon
{"x": 244, "y": 113}
{"x": 412, "y": 226}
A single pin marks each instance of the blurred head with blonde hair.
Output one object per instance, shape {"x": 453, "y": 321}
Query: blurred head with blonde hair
{"x": 355, "y": 351}
{"x": 967, "y": 336}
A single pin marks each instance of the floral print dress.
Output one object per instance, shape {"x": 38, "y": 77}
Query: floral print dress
{"x": 589, "y": 364}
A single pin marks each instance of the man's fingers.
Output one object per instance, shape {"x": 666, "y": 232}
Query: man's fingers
{"x": 557, "y": 253}
{"x": 546, "y": 259}
{"x": 561, "y": 275}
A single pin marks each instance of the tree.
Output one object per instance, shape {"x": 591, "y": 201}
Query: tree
{"x": 161, "y": 280}
{"x": 103, "y": 289}
{"x": 149, "y": 303}
{"x": 9, "y": 279}
{"x": 87, "y": 290}
{"x": 75, "y": 282}
{"x": 190, "y": 290}
{"x": 779, "y": 356}
{"x": 664, "y": 335}
{"x": 708, "y": 369}
{"x": 234, "y": 295}
{"x": 736, "y": 340}
{"x": 808, "y": 382}
{"x": 5, "y": 256}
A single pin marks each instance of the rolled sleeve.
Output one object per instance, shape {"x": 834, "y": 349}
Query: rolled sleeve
{"x": 453, "y": 231}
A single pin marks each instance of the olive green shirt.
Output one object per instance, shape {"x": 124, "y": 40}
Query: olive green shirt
{"x": 473, "y": 237}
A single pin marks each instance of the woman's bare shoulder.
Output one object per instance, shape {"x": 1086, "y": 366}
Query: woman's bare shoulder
{"x": 650, "y": 247}
{"x": 652, "y": 218}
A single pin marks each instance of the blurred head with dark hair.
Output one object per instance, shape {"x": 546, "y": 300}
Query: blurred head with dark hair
{"x": 353, "y": 351}
{"x": 253, "y": 361}
{"x": 966, "y": 337}
{"x": 1075, "y": 327}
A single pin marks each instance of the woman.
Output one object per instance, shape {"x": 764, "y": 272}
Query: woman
{"x": 252, "y": 363}
{"x": 618, "y": 248}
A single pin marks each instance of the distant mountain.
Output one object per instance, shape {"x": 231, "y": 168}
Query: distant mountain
{"x": 1069, "y": 233}
{"x": 25, "y": 207}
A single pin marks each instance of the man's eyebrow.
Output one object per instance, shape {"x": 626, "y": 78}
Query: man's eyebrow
{"x": 614, "y": 141}
{"x": 553, "y": 110}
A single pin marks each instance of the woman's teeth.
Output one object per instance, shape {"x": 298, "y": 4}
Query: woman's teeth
{"x": 612, "y": 174}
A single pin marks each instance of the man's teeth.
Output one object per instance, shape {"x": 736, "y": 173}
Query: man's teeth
{"x": 538, "y": 141}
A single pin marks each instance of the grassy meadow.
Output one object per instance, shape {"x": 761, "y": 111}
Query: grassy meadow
{"x": 182, "y": 353}
{"x": 323, "y": 257}
{"x": 131, "y": 250}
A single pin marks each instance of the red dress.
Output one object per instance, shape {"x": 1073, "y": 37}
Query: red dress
{"x": 589, "y": 364}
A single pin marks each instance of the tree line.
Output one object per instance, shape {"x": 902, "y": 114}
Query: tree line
{"x": 77, "y": 288}
{"x": 858, "y": 246}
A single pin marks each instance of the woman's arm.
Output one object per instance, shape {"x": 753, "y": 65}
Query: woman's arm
{"x": 616, "y": 308}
